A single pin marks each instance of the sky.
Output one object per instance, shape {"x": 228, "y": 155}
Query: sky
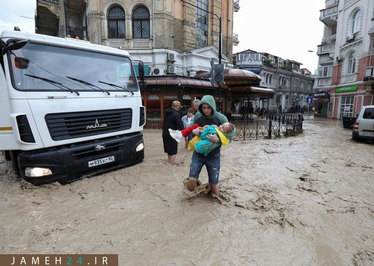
{"x": 19, "y": 13}
{"x": 284, "y": 28}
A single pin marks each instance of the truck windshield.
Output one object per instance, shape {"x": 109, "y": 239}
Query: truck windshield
{"x": 73, "y": 69}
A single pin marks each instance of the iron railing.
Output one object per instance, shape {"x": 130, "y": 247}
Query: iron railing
{"x": 271, "y": 125}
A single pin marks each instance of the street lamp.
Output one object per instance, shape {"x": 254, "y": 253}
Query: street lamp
{"x": 219, "y": 45}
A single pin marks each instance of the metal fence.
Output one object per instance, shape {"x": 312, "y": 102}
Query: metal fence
{"x": 269, "y": 126}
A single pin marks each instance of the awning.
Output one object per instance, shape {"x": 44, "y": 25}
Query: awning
{"x": 253, "y": 91}
{"x": 236, "y": 77}
{"x": 179, "y": 81}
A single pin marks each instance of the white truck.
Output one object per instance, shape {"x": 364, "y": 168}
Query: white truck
{"x": 68, "y": 108}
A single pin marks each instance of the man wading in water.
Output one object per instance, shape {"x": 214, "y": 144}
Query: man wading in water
{"x": 207, "y": 115}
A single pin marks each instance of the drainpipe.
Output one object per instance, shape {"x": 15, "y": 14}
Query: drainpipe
{"x": 64, "y": 16}
{"x": 86, "y": 32}
{"x": 153, "y": 36}
{"x": 153, "y": 26}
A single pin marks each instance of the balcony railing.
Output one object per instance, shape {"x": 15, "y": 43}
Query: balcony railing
{"x": 369, "y": 73}
{"x": 236, "y": 6}
{"x": 329, "y": 15}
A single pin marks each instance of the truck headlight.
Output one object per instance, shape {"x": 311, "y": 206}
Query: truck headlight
{"x": 37, "y": 171}
{"x": 139, "y": 147}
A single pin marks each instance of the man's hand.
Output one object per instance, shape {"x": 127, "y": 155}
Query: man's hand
{"x": 212, "y": 137}
{"x": 197, "y": 131}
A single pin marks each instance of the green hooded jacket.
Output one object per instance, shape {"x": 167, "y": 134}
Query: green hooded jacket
{"x": 216, "y": 119}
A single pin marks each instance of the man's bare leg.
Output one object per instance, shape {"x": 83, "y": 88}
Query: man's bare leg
{"x": 171, "y": 158}
{"x": 215, "y": 189}
{"x": 191, "y": 184}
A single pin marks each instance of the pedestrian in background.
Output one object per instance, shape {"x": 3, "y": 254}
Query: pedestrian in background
{"x": 188, "y": 120}
{"x": 172, "y": 119}
{"x": 195, "y": 106}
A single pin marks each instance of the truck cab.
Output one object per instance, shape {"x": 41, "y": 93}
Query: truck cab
{"x": 68, "y": 108}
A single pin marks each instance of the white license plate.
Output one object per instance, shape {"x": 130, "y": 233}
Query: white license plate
{"x": 369, "y": 134}
{"x": 101, "y": 161}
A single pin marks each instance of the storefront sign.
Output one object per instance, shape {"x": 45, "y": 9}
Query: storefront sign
{"x": 321, "y": 94}
{"x": 347, "y": 89}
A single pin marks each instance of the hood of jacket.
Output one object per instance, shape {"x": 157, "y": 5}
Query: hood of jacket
{"x": 208, "y": 99}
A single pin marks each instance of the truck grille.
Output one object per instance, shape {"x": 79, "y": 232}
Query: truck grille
{"x": 82, "y": 124}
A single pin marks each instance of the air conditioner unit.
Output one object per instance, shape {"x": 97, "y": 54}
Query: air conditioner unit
{"x": 171, "y": 70}
{"x": 156, "y": 71}
{"x": 171, "y": 57}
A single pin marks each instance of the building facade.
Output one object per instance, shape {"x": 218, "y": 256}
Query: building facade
{"x": 344, "y": 81}
{"x": 291, "y": 84}
{"x": 165, "y": 33}
{"x": 173, "y": 38}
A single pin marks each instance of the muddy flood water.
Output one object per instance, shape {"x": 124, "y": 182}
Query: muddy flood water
{"x": 304, "y": 200}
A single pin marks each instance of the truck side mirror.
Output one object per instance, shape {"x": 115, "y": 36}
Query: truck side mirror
{"x": 142, "y": 83}
{"x": 14, "y": 45}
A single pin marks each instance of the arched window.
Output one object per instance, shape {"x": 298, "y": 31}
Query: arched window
{"x": 351, "y": 63}
{"x": 140, "y": 23}
{"x": 202, "y": 21}
{"x": 356, "y": 21}
{"x": 116, "y": 22}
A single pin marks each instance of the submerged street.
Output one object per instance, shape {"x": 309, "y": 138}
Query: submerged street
{"x": 303, "y": 200}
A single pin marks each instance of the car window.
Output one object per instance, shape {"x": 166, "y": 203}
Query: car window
{"x": 369, "y": 113}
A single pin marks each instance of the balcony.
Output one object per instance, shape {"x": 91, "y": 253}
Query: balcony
{"x": 329, "y": 16}
{"x": 325, "y": 49}
{"x": 369, "y": 74}
{"x": 235, "y": 39}
{"x": 236, "y": 6}
{"x": 329, "y": 39}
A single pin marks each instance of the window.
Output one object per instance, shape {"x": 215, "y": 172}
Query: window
{"x": 202, "y": 23}
{"x": 324, "y": 71}
{"x": 356, "y": 22}
{"x": 368, "y": 113}
{"x": 140, "y": 23}
{"x": 351, "y": 64}
{"x": 116, "y": 22}
{"x": 346, "y": 107}
{"x": 43, "y": 74}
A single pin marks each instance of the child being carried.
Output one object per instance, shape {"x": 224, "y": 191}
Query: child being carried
{"x": 201, "y": 144}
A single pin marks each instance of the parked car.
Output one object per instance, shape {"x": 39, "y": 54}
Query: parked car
{"x": 363, "y": 128}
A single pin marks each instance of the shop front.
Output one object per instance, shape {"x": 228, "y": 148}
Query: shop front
{"x": 321, "y": 101}
{"x": 161, "y": 91}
